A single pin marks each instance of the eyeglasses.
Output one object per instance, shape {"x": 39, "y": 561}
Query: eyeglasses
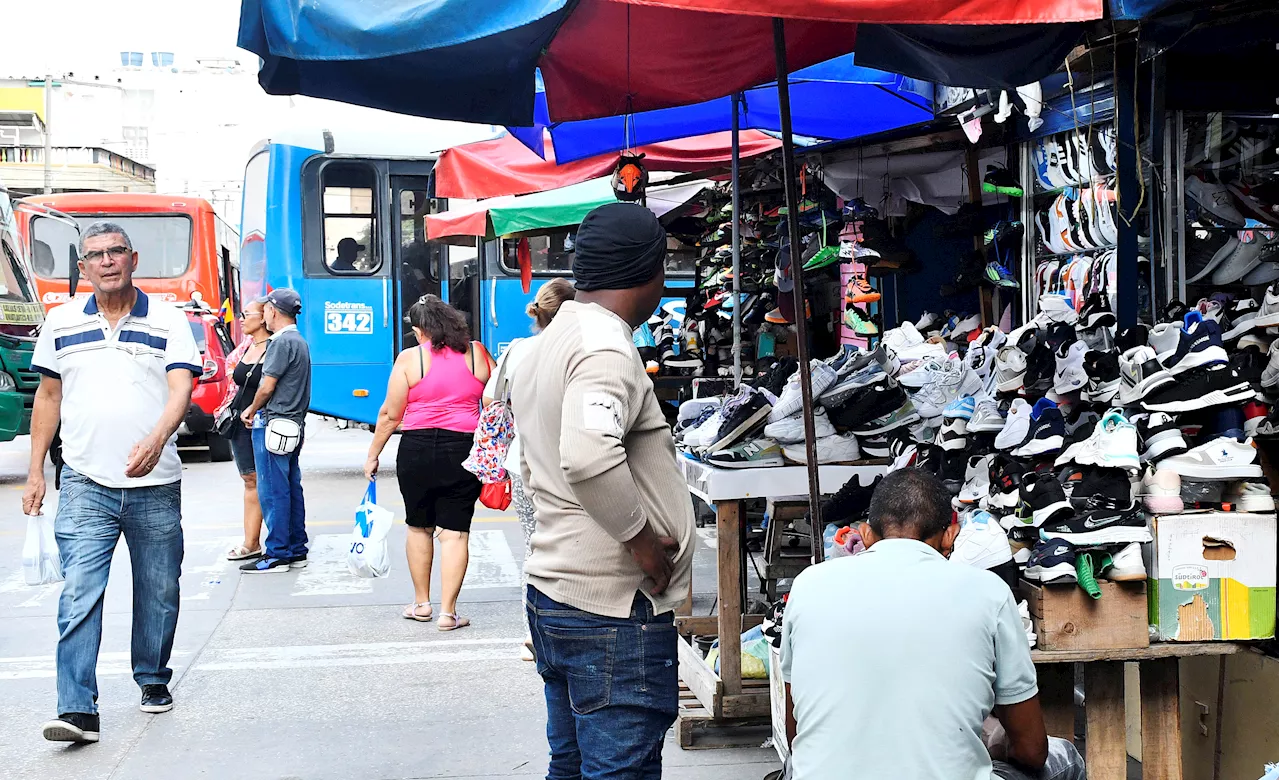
{"x": 115, "y": 253}
{"x": 247, "y": 314}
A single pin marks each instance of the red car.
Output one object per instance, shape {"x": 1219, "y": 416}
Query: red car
{"x": 210, "y": 387}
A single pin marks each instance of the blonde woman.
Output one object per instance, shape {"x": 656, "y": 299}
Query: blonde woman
{"x": 542, "y": 310}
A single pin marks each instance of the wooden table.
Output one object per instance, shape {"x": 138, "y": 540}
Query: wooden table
{"x": 727, "y": 489}
{"x": 1105, "y": 753}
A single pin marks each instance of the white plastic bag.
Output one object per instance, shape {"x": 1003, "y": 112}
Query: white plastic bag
{"x": 368, "y": 556}
{"x": 41, "y": 564}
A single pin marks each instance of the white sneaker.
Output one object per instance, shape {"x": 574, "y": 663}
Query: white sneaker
{"x": 1011, "y": 368}
{"x": 1016, "y": 425}
{"x": 791, "y": 430}
{"x": 962, "y": 328}
{"x": 791, "y": 400}
{"x": 982, "y": 542}
{"x": 1249, "y": 496}
{"x": 1222, "y": 458}
{"x": 1161, "y": 491}
{"x": 1126, "y": 565}
{"x": 1113, "y": 444}
{"x": 837, "y": 448}
{"x": 1024, "y": 612}
{"x": 704, "y": 435}
{"x": 1164, "y": 339}
{"x": 986, "y": 416}
{"x": 977, "y": 480}
{"x": 905, "y": 343}
{"x": 1057, "y": 308}
{"x": 952, "y": 436}
{"x": 1070, "y": 374}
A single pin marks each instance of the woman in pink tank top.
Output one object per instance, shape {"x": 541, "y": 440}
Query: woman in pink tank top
{"x": 434, "y": 398}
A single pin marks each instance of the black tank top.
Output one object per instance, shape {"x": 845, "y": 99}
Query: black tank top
{"x": 247, "y": 376}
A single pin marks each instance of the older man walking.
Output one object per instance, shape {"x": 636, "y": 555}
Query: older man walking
{"x": 118, "y": 371}
{"x": 276, "y": 416}
{"x": 612, "y": 553}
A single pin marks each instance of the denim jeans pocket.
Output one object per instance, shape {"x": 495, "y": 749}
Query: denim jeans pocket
{"x": 585, "y": 657}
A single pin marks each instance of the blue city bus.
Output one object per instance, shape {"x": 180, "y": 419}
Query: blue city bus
{"x": 340, "y": 219}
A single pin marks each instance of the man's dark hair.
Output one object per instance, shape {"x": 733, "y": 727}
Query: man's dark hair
{"x": 444, "y": 325}
{"x": 910, "y": 503}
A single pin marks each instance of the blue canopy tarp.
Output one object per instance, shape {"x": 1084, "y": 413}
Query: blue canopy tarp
{"x": 832, "y": 100}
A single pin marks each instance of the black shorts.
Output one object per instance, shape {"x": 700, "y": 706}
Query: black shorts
{"x": 241, "y": 447}
{"x": 438, "y": 492}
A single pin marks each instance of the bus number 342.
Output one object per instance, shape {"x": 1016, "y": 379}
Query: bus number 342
{"x": 348, "y": 322}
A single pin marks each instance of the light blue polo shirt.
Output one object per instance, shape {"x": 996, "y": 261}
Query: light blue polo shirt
{"x": 115, "y": 383}
{"x": 895, "y": 657}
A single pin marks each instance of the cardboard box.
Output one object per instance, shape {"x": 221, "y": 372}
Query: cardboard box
{"x": 1066, "y": 618}
{"x": 1213, "y": 576}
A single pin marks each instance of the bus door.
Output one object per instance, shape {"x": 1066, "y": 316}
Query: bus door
{"x": 348, "y": 304}
{"x": 417, "y": 261}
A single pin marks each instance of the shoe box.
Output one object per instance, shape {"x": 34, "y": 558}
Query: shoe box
{"x": 1069, "y": 619}
{"x": 1213, "y": 576}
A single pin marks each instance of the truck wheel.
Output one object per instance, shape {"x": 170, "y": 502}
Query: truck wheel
{"x": 219, "y": 448}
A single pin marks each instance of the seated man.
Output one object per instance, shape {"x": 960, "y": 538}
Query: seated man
{"x": 894, "y": 657}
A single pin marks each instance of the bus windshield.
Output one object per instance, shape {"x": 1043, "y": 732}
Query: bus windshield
{"x": 162, "y": 241}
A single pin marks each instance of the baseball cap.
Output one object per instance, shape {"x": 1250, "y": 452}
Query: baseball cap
{"x": 284, "y": 299}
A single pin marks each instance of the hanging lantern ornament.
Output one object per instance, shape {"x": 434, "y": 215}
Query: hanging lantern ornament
{"x": 630, "y": 178}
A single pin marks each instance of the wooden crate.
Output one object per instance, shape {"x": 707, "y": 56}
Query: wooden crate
{"x": 698, "y": 729}
{"x": 1066, "y": 618}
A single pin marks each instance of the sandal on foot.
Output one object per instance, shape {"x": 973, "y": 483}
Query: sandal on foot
{"x": 458, "y": 622}
{"x": 242, "y": 553}
{"x": 411, "y": 612}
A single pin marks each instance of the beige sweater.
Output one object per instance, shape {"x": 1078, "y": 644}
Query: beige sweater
{"x": 598, "y": 458}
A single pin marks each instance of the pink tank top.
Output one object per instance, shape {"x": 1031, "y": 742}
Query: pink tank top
{"x": 448, "y": 397}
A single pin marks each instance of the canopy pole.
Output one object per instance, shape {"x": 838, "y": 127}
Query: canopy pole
{"x": 734, "y": 164}
{"x": 797, "y": 290}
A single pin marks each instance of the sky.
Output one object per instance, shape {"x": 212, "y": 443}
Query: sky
{"x": 90, "y": 34}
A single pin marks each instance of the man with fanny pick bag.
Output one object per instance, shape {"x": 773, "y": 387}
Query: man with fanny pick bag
{"x": 276, "y": 417}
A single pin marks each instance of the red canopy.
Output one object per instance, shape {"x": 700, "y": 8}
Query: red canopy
{"x": 504, "y": 166}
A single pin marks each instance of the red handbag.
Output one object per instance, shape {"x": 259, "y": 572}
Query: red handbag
{"x": 496, "y": 495}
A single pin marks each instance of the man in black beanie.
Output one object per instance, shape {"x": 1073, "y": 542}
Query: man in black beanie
{"x": 612, "y": 553}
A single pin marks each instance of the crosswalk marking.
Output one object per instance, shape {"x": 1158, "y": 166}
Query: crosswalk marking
{"x": 208, "y": 576}
{"x": 326, "y": 573}
{"x": 38, "y": 666}
{"x": 491, "y": 563}
{"x": 363, "y": 654}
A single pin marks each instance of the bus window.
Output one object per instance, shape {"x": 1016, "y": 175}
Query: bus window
{"x": 162, "y": 241}
{"x": 418, "y": 272}
{"x": 349, "y": 219}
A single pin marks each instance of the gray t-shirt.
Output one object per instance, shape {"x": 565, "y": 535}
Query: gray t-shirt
{"x": 906, "y": 651}
{"x": 288, "y": 359}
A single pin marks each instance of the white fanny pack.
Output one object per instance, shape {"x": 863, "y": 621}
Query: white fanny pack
{"x": 283, "y": 436}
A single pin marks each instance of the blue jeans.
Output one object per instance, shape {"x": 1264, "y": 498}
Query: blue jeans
{"x": 89, "y": 523}
{"x": 1064, "y": 763}
{"x": 612, "y": 688}
{"x": 280, "y": 494}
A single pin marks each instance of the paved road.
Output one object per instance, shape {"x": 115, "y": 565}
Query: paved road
{"x": 312, "y": 674}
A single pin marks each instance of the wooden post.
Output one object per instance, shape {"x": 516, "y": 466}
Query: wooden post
{"x": 1161, "y": 720}
{"x": 1058, "y": 699}
{"x": 1105, "y": 753}
{"x": 728, "y": 518}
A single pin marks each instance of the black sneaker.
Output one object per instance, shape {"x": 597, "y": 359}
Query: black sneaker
{"x": 1052, "y": 560}
{"x": 954, "y": 465}
{"x": 1173, "y": 311}
{"x": 72, "y": 727}
{"x": 1103, "y": 370}
{"x": 999, "y": 180}
{"x": 850, "y": 502}
{"x": 1102, "y": 525}
{"x": 266, "y": 566}
{"x": 300, "y": 562}
{"x": 1199, "y": 388}
{"x": 1043, "y": 495}
{"x": 932, "y": 459}
{"x": 1096, "y": 312}
{"x": 876, "y": 401}
{"x": 1006, "y": 479}
{"x": 1100, "y": 487}
{"x": 1249, "y": 364}
{"x": 1129, "y": 338}
{"x": 1205, "y": 250}
{"x": 1161, "y": 437}
{"x": 156, "y": 698}
{"x": 750, "y": 414}
{"x": 1041, "y": 364}
{"x": 1059, "y": 334}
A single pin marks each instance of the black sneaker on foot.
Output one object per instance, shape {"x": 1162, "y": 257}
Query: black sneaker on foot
{"x": 72, "y": 727}
{"x": 156, "y": 698}
{"x": 298, "y": 563}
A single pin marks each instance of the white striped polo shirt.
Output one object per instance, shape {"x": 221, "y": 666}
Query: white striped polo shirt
{"x": 115, "y": 383}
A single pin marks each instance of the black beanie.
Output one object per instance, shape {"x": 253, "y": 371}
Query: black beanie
{"x": 619, "y": 246}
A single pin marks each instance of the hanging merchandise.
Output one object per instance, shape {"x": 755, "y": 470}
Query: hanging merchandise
{"x": 630, "y": 178}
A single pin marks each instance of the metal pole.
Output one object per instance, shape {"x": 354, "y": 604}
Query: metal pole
{"x": 48, "y": 130}
{"x": 797, "y": 291}
{"x": 1127, "y": 174}
{"x": 737, "y": 249}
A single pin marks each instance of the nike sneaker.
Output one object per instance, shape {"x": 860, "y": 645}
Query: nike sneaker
{"x": 1103, "y": 371}
{"x": 1042, "y": 494}
{"x": 977, "y": 479}
{"x": 982, "y": 542}
{"x": 858, "y": 321}
{"x": 1070, "y": 374}
{"x": 1017, "y": 424}
{"x": 1200, "y": 388}
{"x": 1102, "y": 525}
{"x": 1052, "y": 561}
